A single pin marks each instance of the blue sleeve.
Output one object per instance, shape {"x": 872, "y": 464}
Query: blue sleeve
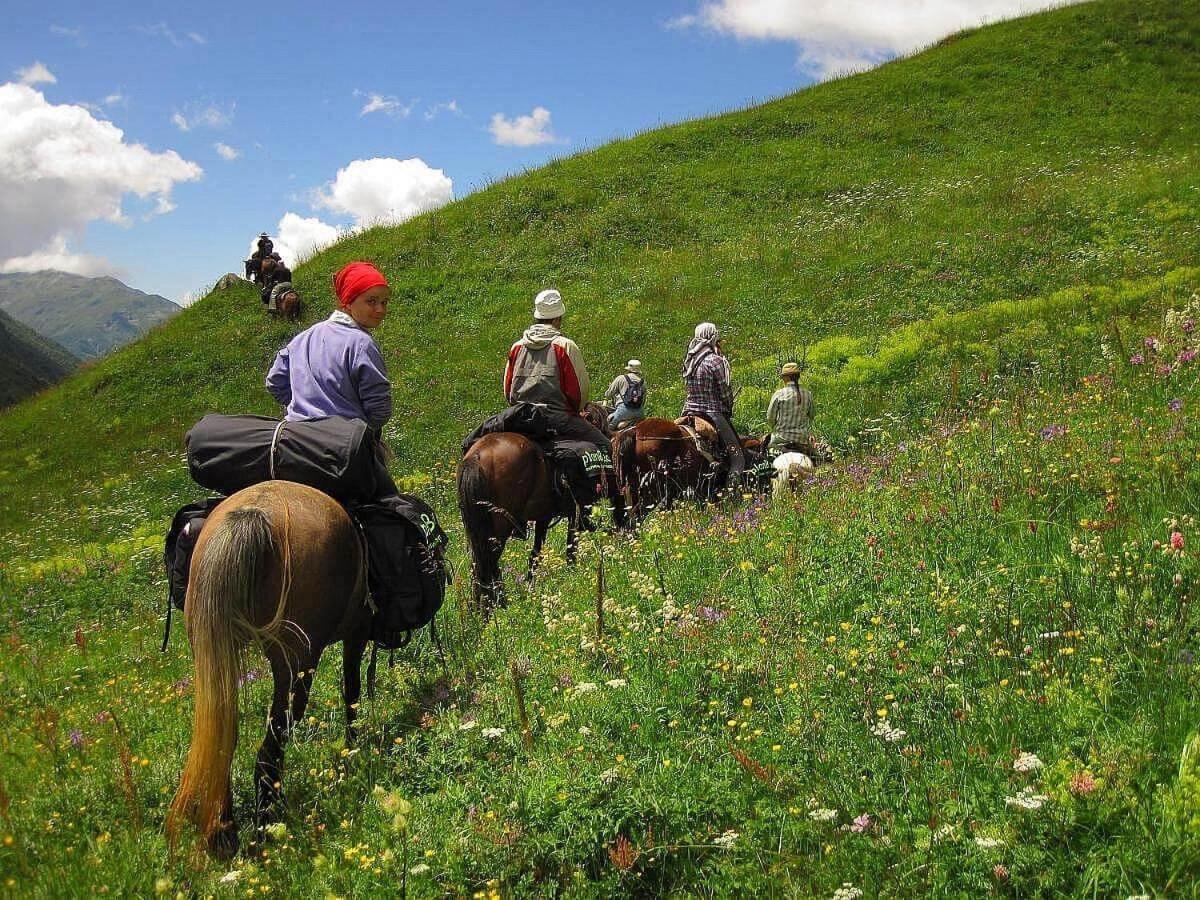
{"x": 279, "y": 379}
{"x": 369, "y": 374}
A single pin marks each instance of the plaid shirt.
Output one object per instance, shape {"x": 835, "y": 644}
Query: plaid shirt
{"x": 790, "y": 415}
{"x": 708, "y": 389}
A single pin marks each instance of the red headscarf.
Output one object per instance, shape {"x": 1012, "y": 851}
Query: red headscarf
{"x": 353, "y": 279}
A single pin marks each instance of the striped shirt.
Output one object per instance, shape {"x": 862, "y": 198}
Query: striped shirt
{"x": 708, "y": 389}
{"x": 790, "y": 415}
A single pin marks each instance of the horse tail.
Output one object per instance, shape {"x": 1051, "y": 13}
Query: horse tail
{"x": 625, "y": 459}
{"x": 476, "y": 506}
{"x": 228, "y": 577}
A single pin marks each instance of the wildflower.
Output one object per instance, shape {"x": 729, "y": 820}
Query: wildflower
{"x": 1026, "y": 799}
{"x": 726, "y": 840}
{"x": 882, "y": 729}
{"x": 847, "y": 892}
{"x": 1175, "y": 404}
{"x": 616, "y": 683}
{"x": 1187, "y": 355}
{"x": 988, "y": 843}
{"x": 1000, "y": 872}
{"x": 608, "y": 776}
{"x": 162, "y": 885}
{"x": 77, "y": 739}
{"x": 1176, "y": 540}
{"x": 1050, "y": 432}
{"x": 467, "y": 726}
{"x": 231, "y": 877}
{"x": 821, "y": 814}
{"x": 1027, "y": 762}
{"x": 492, "y": 733}
{"x": 1082, "y": 784}
{"x": 861, "y": 823}
{"x": 419, "y": 869}
{"x": 585, "y": 687}
{"x": 1137, "y": 359}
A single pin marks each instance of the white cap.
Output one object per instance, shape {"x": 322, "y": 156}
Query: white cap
{"x": 634, "y": 365}
{"x": 548, "y": 305}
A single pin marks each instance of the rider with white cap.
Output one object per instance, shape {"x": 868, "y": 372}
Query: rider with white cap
{"x": 627, "y": 394}
{"x": 545, "y": 367}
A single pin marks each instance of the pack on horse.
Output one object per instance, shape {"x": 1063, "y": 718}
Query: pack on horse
{"x": 279, "y": 565}
{"x": 658, "y": 460}
{"x": 506, "y": 481}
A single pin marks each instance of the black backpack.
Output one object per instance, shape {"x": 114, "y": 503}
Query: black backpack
{"x": 635, "y": 394}
{"x": 406, "y": 572}
{"x": 180, "y": 542}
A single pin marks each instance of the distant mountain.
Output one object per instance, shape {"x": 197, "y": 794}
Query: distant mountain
{"x": 87, "y": 316}
{"x": 28, "y": 362}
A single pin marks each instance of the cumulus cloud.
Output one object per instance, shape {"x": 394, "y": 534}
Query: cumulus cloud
{"x": 297, "y": 238}
{"x": 226, "y": 152}
{"x": 36, "y": 74}
{"x": 380, "y": 190}
{"x": 835, "y": 36}
{"x": 210, "y": 116}
{"x": 524, "y": 131}
{"x": 381, "y": 103}
{"x": 61, "y": 168}
{"x": 56, "y": 255}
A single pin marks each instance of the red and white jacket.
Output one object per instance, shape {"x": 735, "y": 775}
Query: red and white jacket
{"x": 546, "y": 367}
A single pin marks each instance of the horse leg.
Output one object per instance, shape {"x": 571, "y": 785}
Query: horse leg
{"x": 617, "y": 497}
{"x": 352, "y": 654}
{"x": 287, "y": 705}
{"x": 572, "y": 539}
{"x": 540, "y": 527}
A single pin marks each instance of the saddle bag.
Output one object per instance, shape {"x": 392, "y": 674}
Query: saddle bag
{"x": 406, "y": 565}
{"x": 180, "y": 542}
{"x": 333, "y": 454}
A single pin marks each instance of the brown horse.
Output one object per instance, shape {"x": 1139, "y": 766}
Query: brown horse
{"x": 280, "y": 565}
{"x": 505, "y": 482}
{"x": 657, "y": 461}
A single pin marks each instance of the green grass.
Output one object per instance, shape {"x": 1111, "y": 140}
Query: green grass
{"x": 970, "y": 249}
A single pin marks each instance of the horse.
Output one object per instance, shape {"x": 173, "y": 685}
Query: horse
{"x": 281, "y": 565}
{"x": 789, "y": 470}
{"x": 505, "y": 481}
{"x": 657, "y": 461}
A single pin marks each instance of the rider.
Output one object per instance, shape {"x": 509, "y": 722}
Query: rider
{"x": 272, "y": 272}
{"x": 619, "y": 396}
{"x": 266, "y": 250}
{"x": 335, "y": 367}
{"x": 546, "y": 368}
{"x": 706, "y": 379}
{"x": 790, "y": 415}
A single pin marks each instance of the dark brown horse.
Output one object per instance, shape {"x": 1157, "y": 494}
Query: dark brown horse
{"x": 279, "y": 565}
{"x": 505, "y": 482}
{"x": 657, "y": 461}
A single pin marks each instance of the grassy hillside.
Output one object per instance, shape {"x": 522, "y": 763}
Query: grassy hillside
{"x": 962, "y": 662}
{"x": 1000, "y": 167}
{"x": 88, "y": 316}
{"x": 28, "y": 362}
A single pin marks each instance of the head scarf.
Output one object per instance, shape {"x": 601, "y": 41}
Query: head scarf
{"x": 354, "y": 278}
{"x": 704, "y": 343}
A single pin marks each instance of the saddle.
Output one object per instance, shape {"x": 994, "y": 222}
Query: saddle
{"x": 703, "y": 435}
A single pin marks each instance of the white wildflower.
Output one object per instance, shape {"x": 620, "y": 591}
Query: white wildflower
{"x": 988, "y": 843}
{"x": 492, "y": 733}
{"x": 467, "y": 726}
{"x": 726, "y": 840}
{"x": 1026, "y": 799}
{"x": 883, "y": 729}
{"x": 608, "y": 776}
{"x": 586, "y": 687}
{"x": 945, "y": 833}
{"x": 616, "y": 683}
{"x": 418, "y": 869}
{"x": 847, "y": 892}
{"x": 1027, "y": 762}
{"x": 821, "y": 814}
{"x": 231, "y": 877}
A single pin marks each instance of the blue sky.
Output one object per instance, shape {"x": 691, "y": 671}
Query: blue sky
{"x": 286, "y": 89}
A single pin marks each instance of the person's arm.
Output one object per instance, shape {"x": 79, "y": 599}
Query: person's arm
{"x": 508, "y": 372}
{"x": 612, "y": 395}
{"x": 581, "y": 373}
{"x": 369, "y": 374}
{"x": 279, "y": 379}
{"x": 772, "y": 411}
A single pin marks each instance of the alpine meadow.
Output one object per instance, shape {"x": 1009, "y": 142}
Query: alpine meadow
{"x": 959, "y": 660}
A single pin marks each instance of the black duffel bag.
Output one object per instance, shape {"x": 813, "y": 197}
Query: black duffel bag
{"x": 180, "y": 542}
{"x": 333, "y": 454}
{"x": 406, "y": 565}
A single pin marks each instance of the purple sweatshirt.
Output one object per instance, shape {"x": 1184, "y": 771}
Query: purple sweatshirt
{"x": 333, "y": 368}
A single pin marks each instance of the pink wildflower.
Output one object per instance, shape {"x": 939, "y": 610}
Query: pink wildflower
{"x": 1176, "y": 540}
{"x": 1082, "y": 784}
{"x": 861, "y": 823}
{"x": 1000, "y": 872}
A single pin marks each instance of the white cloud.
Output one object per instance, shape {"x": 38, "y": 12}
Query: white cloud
{"x": 210, "y": 116}
{"x": 298, "y": 238}
{"x": 524, "y": 131}
{"x": 375, "y": 191}
{"x": 61, "y": 168}
{"x": 197, "y": 38}
{"x": 227, "y": 153}
{"x": 114, "y": 98}
{"x": 164, "y": 31}
{"x": 450, "y": 106}
{"x": 384, "y": 104}
{"x": 835, "y": 36}
{"x": 56, "y": 255}
{"x": 36, "y": 74}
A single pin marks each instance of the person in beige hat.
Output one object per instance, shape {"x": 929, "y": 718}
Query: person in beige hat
{"x": 627, "y": 394}
{"x": 790, "y": 414}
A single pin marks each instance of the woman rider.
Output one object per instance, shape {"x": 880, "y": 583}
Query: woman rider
{"x": 790, "y": 415}
{"x": 706, "y": 380}
{"x": 335, "y": 367}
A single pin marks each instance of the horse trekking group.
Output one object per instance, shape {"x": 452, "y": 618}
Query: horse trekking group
{"x": 266, "y": 268}
{"x": 312, "y": 543}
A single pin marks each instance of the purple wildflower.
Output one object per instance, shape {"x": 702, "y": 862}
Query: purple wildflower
{"x": 1175, "y": 405}
{"x": 1189, "y": 326}
{"x": 251, "y": 676}
{"x": 77, "y": 739}
{"x": 1152, "y": 343}
{"x": 1187, "y": 354}
{"x": 1050, "y": 432}
{"x": 861, "y": 823}
{"x": 711, "y": 613}
{"x": 1137, "y": 359}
